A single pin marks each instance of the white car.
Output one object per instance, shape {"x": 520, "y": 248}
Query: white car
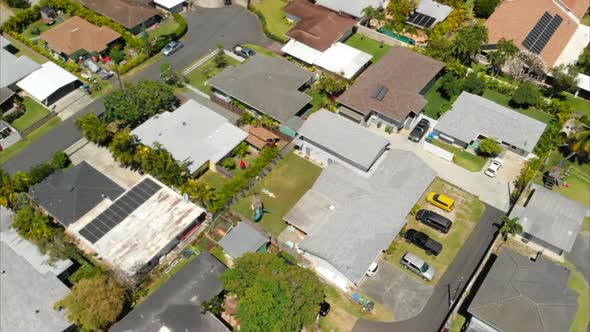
{"x": 372, "y": 271}
{"x": 494, "y": 167}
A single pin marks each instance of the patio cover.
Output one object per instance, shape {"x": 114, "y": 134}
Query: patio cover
{"x": 301, "y": 51}
{"x": 46, "y": 80}
{"x": 168, "y": 3}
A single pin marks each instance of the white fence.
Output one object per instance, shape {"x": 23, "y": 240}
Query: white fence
{"x": 444, "y": 154}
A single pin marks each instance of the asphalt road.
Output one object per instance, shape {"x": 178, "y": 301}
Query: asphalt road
{"x": 434, "y": 313}
{"x": 206, "y": 28}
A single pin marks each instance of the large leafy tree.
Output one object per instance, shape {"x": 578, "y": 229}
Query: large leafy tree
{"x": 451, "y": 85}
{"x": 474, "y": 84}
{"x": 138, "y": 102}
{"x": 160, "y": 163}
{"x": 93, "y": 128}
{"x": 32, "y": 225}
{"x": 331, "y": 85}
{"x": 484, "y": 8}
{"x": 505, "y": 49}
{"x": 399, "y": 12}
{"x": 200, "y": 192}
{"x": 123, "y": 147}
{"x": 565, "y": 78}
{"x": 94, "y": 303}
{"x": 468, "y": 41}
{"x": 272, "y": 295}
{"x": 526, "y": 95}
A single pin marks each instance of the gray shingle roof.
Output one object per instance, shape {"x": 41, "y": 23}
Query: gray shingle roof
{"x": 351, "y": 7}
{"x": 520, "y": 295}
{"x": 350, "y": 218}
{"x": 70, "y": 194}
{"x": 269, "y": 84}
{"x": 13, "y": 68}
{"x": 551, "y": 217}
{"x": 344, "y": 137}
{"x": 175, "y": 307}
{"x": 472, "y": 115}
{"x": 242, "y": 239}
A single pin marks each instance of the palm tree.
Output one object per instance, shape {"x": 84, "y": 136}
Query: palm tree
{"x": 370, "y": 13}
{"x": 10, "y": 186}
{"x": 200, "y": 192}
{"x": 579, "y": 144}
{"x": 510, "y": 226}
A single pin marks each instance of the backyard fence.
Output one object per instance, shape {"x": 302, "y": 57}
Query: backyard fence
{"x": 378, "y": 36}
{"x": 226, "y": 104}
{"x": 38, "y": 124}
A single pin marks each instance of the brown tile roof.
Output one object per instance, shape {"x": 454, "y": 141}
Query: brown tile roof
{"x": 76, "y": 33}
{"x": 578, "y": 7}
{"x": 404, "y": 73}
{"x": 514, "y": 20}
{"x": 319, "y": 27}
{"x": 260, "y": 137}
{"x": 129, "y": 13}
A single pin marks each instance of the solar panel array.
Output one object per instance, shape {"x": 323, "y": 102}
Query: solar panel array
{"x": 421, "y": 20}
{"x": 539, "y": 36}
{"x": 380, "y": 92}
{"x": 119, "y": 210}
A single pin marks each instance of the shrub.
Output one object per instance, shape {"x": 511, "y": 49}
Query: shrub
{"x": 18, "y": 4}
{"x": 415, "y": 210}
{"x": 474, "y": 84}
{"x": 526, "y": 95}
{"x": 229, "y": 163}
{"x": 388, "y": 129}
{"x": 14, "y": 115}
{"x": 451, "y": 85}
{"x": 489, "y": 147}
{"x": 484, "y": 8}
{"x": 60, "y": 160}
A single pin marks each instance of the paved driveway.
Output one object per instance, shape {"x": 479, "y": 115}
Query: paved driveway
{"x": 580, "y": 254}
{"x": 392, "y": 287}
{"x": 206, "y": 28}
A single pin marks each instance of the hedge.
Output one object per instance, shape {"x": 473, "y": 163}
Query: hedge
{"x": 176, "y": 35}
{"x": 267, "y": 32}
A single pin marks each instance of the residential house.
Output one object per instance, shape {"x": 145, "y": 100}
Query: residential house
{"x": 351, "y": 7}
{"x": 192, "y": 133}
{"x": 348, "y": 219}
{"x": 30, "y": 285}
{"x": 266, "y": 85}
{"x": 391, "y": 92}
{"x": 473, "y": 117}
{"x": 242, "y": 239}
{"x": 8, "y": 134}
{"x": 70, "y": 194}
{"x": 316, "y": 39}
{"x": 133, "y": 231}
{"x": 550, "y": 29}
{"x": 172, "y": 6}
{"x": 135, "y": 15}
{"x": 523, "y": 294}
{"x": 76, "y": 37}
{"x": 176, "y": 306}
{"x": 549, "y": 219}
{"x": 260, "y": 137}
{"x": 12, "y": 69}
{"x": 429, "y": 13}
{"x": 49, "y": 83}
{"x": 326, "y": 137}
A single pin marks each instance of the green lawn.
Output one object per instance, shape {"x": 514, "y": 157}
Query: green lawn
{"x": 504, "y": 100}
{"x": 578, "y": 179}
{"x": 435, "y": 100}
{"x": 260, "y": 49}
{"x": 165, "y": 28}
{"x": 579, "y": 105}
{"x": 582, "y": 318}
{"x": 198, "y": 77}
{"x": 368, "y": 45}
{"x": 28, "y": 32}
{"x": 275, "y": 17}
{"x": 289, "y": 180}
{"x": 466, "y": 215}
{"x": 318, "y": 100}
{"x": 34, "y": 112}
{"x": 214, "y": 180}
{"x": 586, "y": 19}
{"x": 14, "y": 149}
{"x": 248, "y": 159}
{"x": 463, "y": 158}
{"x": 457, "y": 323}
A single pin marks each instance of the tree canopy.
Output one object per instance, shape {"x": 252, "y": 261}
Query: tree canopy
{"x": 32, "y": 224}
{"x": 474, "y": 84}
{"x": 505, "y": 49}
{"x": 468, "y": 41}
{"x": 451, "y": 85}
{"x": 93, "y": 129}
{"x": 484, "y": 8}
{"x": 565, "y": 78}
{"x": 489, "y": 147}
{"x": 273, "y": 296}
{"x": 526, "y": 95}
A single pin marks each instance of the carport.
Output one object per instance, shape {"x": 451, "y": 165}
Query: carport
{"x": 49, "y": 83}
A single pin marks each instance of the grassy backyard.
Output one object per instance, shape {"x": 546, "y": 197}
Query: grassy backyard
{"x": 163, "y": 28}
{"x": 579, "y": 105}
{"x": 214, "y": 180}
{"x": 368, "y": 45}
{"x": 198, "y": 77}
{"x": 582, "y": 318}
{"x": 504, "y": 100}
{"x": 276, "y": 22}
{"x": 34, "y": 112}
{"x": 463, "y": 158}
{"x": 28, "y": 32}
{"x": 578, "y": 178}
{"x": 14, "y": 149}
{"x": 435, "y": 101}
{"x": 288, "y": 181}
{"x": 466, "y": 215}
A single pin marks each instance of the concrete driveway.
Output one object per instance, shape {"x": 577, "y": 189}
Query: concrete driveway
{"x": 580, "y": 254}
{"x": 392, "y": 287}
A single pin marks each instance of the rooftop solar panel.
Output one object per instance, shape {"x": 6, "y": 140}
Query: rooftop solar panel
{"x": 119, "y": 210}
{"x": 542, "y": 32}
{"x": 421, "y": 20}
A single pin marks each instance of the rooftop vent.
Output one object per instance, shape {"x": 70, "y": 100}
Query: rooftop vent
{"x": 379, "y": 92}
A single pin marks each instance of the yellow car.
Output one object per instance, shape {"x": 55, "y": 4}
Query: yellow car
{"x": 439, "y": 200}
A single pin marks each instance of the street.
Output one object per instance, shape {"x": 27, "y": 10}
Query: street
{"x": 206, "y": 29}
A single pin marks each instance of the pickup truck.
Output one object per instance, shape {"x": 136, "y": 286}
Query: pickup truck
{"x": 423, "y": 241}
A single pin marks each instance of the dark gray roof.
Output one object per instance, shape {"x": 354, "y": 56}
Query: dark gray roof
{"x": 350, "y": 218}
{"x": 344, "y": 137}
{"x": 269, "y": 84}
{"x": 472, "y": 115}
{"x": 551, "y": 217}
{"x": 5, "y": 93}
{"x": 175, "y": 307}
{"x": 520, "y": 295}
{"x": 70, "y": 194}
{"x": 242, "y": 239}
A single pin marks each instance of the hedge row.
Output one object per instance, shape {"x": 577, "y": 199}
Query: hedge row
{"x": 267, "y": 32}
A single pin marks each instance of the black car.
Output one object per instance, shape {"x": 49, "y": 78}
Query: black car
{"x": 243, "y": 51}
{"x": 419, "y": 131}
{"x": 423, "y": 241}
{"x": 434, "y": 220}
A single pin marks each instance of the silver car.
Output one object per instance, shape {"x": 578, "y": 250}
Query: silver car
{"x": 418, "y": 266}
{"x": 172, "y": 47}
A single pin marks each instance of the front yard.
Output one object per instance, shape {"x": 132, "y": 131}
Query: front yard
{"x": 34, "y": 112}
{"x": 578, "y": 179}
{"x": 199, "y": 76}
{"x": 366, "y": 44}
{"x": 466, "y": 215}
{"x": 288, "y": 181}
{"x": 276, "y": 21}
{"x": 14, "y": 149}
{"x": 163, "y": 28}
{"x": 213, "y": 179}
{"x": 463, "y": 158}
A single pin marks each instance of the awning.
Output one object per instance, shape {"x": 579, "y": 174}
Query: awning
{"x": 301, "y": 51}
{"x": 168, "y": 3}
{"x": 46, "y": 80}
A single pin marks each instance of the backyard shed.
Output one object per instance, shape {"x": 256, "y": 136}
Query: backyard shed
{"x": 242, "y": 239}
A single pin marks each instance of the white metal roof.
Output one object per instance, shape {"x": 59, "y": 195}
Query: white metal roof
{"x": 43, "y": 82}
{"x": 168, "y": 3}
{"x": 584, "y": 82}
{"x": 301, "y": 51}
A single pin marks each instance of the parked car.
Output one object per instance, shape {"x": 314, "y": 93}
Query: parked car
{"x": 243, "y": 51}
{"x": 324, "y": 308}
{"x": 105, "y": 74}
{"x": 441, "y": 201}
{"x": 424, "y": 241}
{"x": 418, "y": 266}
{"x": 372, "y": 271}
{"x": 494, "y": 167}
{"x": 434, "y": 220}
{"x": 90, "y": 64}
{"x": 172, "y": 47}
{"x": 419, "y": 131}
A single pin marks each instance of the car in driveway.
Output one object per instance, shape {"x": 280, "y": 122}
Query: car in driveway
{"x": 419, "y": 131}
{"x": 422, "y": 240}
{"x": 418, "y": 266}
{"x": 441, "y": 201}
{"x": 434, "y": 220}
{"x": 494, "y": 167}
{"x": 172, "y": 47}
{"x": 243, "y": 51}
{"x": 372, "y": 270}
